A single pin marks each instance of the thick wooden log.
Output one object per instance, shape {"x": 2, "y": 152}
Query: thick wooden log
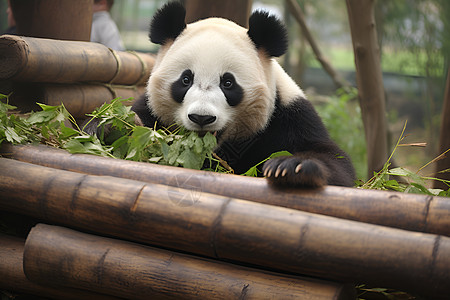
{"x": 227, "y": 228}
{"x": 406, "y": 211}
{"x": 79, "y": 99}
{"x": 64, "y": 257}
{"x": 55, "y": 19}
{"x": 237, "y": 11}
{"x": 12, "y": 277}
{"x": 44, "y": 60}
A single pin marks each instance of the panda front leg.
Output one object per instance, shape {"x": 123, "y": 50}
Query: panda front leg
{"x": 296, "y": 171}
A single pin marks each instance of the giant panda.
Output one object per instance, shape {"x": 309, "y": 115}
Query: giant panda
{"x": 216, "y": 76}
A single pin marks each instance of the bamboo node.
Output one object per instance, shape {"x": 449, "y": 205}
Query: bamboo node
{"x": 144, "y": 66}
{"x": 119, "y": 65}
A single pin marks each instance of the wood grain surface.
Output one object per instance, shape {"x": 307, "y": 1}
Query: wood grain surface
{"x": 30, "y": 59}
{"x": 393, "y": 209}
{"x": 57, "y": 255}
{"x": 12, "y": 277}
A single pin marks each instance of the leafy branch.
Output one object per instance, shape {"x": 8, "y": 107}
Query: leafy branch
{"x": 125, "y": 140}
{"x": 412, "y": 182}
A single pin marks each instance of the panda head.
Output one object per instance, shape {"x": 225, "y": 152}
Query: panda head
{"x": 214, "y": 75}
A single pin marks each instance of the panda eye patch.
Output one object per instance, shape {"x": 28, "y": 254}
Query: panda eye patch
{"x": 186, "y": 77}
{"x": 231, "y": 89}
{"x": 182, "y": 85}
{"x": 227, "y": 81}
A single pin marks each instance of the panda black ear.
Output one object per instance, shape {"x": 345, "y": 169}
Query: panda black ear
{"x": 268, "y": 33}
{"x": 167, "y": 23}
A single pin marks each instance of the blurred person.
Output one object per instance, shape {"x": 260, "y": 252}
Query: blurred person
{"x": 104, "y": 30}
{"x": 11, "y": 21}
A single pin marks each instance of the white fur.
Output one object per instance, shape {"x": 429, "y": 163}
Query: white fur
{"x": 287, "y": 88}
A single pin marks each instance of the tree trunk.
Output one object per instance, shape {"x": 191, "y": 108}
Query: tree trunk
{"x": 65, "y": 20}
{"x": 444, "y": 163}
{"x": 370, "y": 81}
{"x": 234, "y": 10}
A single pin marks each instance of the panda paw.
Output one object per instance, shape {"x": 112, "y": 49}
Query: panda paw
{"x": 293, "y": 171}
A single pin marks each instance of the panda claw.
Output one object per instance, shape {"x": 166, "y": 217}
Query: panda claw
{"x": 277, "y": 172}
{"x": 298, "y": 168}
{"x": 284, "y": 173}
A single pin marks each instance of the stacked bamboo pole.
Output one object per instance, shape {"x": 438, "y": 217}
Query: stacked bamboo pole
{"x": 54, "y": 254}
{"x": 82, "y": 75}
{"x": 232, "y": 229}
{"x": 13, "y": 277}
{"x": 28, "y": 59}
{"x": 79, "y": 99}
{"x": 399, "y": 210}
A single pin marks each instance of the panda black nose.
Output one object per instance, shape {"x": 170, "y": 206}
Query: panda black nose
{"x": 201, "y": 120}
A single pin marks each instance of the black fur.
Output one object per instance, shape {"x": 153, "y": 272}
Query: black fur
{"x": 143, "y": 112}
{"x": 297, "y": 129}
{"x": 168, "y": 23}
{"x": 268, "y": 33}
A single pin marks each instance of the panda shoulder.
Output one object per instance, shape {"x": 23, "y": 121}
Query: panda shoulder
{"x": 288, "y": 91}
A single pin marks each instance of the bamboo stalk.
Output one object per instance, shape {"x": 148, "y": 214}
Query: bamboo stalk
{"x": 43, "y": 60}
{"x": 405, "y": 211}
{"x": 13, "y": 278}
{"x": 79, "y": 99}
{"x": 232, "y": 229}
{"x": 64, "y": 257}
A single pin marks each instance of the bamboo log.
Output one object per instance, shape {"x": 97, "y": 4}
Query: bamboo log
{"x": 13, "y": 278}
{"x": 232, "y": 229}
{"x": 79, "y": 99}
{"x": 64, "y": 257}
{"x": 44, "y": 60}
{"x": 405, "y": 211}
